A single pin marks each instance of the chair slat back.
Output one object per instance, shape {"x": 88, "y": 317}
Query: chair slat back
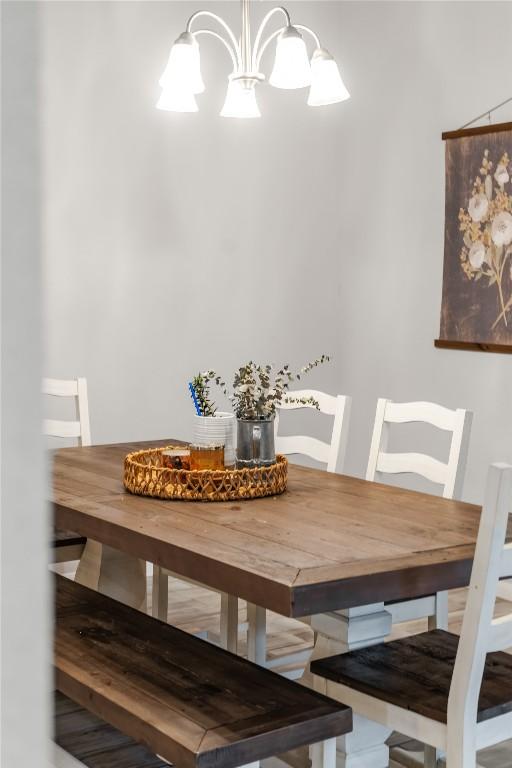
{"x": 506, "y": 561}
{"x": 500, "y": 634}
{"x": 59, "y": 428}
{"x": 332, "y": 453}
{"x": 449, "y": 475}
{"x": 77, "y": 389}
{"x": 481, "y": 633}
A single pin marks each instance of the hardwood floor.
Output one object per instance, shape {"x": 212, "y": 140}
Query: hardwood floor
{"x": 197, "y": 610}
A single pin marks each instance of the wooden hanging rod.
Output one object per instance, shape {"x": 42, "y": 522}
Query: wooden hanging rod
{"x": 481, "y": 129}
{"x": 475, "y": 346}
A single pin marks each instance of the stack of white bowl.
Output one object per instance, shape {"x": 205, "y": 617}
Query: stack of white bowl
{"x": 216, "y": 430}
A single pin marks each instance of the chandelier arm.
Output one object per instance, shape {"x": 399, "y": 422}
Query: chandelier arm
{"x": 221, "y": 21}
{"x": 261, "y": 29}
{"x": 310, "y": 31}
{"x": 231, "y": 52}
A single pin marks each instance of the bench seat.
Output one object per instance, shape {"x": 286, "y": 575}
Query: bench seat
{"x": 185, "y": 699}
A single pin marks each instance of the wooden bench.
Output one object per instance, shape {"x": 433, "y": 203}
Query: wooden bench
{"x": 187, "y": 700}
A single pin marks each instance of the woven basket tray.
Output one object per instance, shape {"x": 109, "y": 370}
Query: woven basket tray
{"x": 145, "y": 475}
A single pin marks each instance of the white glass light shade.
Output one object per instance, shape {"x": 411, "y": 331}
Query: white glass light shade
{"x": 177, "y": 100}
{"x": 327, "y": 87}
{"x": 241, "y": 99}
{"x": 291, "y": 65}
{"x": 183, "y": 70}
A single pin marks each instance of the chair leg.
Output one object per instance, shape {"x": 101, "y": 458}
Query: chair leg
{"x": 323, "y": 754}
{"x": 440, "y": 619}
{"x": 256, "y": 634}
{"x": 461, "y": 752}
{"x": 229, "y": 622}
{"x": 160, "y": 594}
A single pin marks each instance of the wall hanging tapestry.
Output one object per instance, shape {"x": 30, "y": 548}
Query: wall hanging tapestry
{"x": 476, "y": 310}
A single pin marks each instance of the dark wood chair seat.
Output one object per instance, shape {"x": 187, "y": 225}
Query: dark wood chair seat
{"x": 95, "y": 743}
{"x": 415, "y": 673}
{"x": 67, "y": 538}
{"x": 66, "y": 546}
{"x": 185, "y": 699}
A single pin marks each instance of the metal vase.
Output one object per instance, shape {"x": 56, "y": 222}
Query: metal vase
{"x": 255, "y": 443}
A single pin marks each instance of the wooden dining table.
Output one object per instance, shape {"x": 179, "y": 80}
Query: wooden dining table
{"x": 332, "y": 547}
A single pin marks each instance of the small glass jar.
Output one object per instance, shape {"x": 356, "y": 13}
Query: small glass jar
{"x": 176, "y": 458}
{"x": 206, "y": 457}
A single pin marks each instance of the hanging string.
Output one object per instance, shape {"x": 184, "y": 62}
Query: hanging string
{"x": 486, "y": 113}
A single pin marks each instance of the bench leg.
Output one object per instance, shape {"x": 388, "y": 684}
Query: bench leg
{"x": 229, "y": 622}
{"x": 256, "y": 634}
{"x": 160, "y": 594}
{"x": 440, "y": 618}
{"x": 323, "y": 754}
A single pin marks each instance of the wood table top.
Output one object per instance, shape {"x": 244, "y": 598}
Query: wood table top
{"x": 329, "y": 542}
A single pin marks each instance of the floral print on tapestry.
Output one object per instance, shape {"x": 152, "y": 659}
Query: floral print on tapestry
{"x": 477, "y": 280}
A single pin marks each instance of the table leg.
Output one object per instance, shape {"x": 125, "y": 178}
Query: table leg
{"x": 339, "y": 632}
{"x": 113, "y": 573}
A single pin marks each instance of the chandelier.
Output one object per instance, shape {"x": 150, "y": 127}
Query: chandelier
{"x": 182, "y": 81}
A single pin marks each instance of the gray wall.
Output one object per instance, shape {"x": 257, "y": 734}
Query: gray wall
{"x": 178, "y": 242}
{"x": 24, "y": 529}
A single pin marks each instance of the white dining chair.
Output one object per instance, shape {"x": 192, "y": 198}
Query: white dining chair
{"x": 332, "y": 454}
{"x": 449, "y": 475}
{"x": 68, "y": 546}
{"x": 452, "y": 694}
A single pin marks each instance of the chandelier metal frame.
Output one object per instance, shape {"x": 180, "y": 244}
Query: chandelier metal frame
{"x": 246, "y": 56}
{"x": 293, "y": 68}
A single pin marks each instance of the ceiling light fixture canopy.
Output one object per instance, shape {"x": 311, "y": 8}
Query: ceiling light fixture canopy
{"x": 181, "y": 80}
